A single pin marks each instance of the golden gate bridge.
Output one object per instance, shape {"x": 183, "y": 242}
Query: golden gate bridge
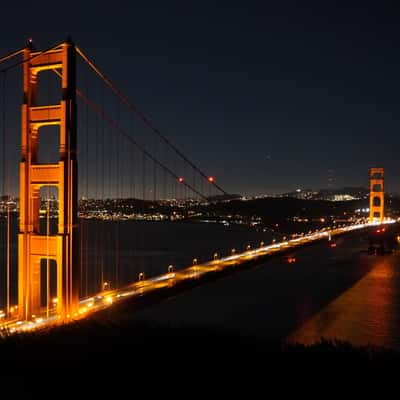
{"x": 87, "y": 152}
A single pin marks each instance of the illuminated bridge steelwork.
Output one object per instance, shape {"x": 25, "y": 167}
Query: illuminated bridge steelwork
{"x": 64, "y": 246}
{"x": 34, "y": 246}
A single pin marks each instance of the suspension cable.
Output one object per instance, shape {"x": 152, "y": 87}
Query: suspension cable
{"x": 113, "y": 123}
{"x": 12, "y": 55}
{"x": 6, "y": 199}
{"x": 99, "y": 111}
{"x": 141, "y": 115}
{"x": 31, "y": 58}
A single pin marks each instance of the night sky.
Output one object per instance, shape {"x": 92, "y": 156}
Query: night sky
{"x": 266, "y": 96}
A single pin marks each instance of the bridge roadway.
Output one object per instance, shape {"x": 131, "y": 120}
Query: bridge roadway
{"x": 146, "y": 286}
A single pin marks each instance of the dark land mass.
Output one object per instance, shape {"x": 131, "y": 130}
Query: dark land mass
{"x": 270, "y": 208}
{"x": 115, "y": 357}
{"x": 111, "y": 341}
{"x": 290, "y": 215}
{"x": 276, "y": 209}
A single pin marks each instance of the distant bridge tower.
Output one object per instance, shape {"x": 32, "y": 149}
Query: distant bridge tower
{"x": 376, "y": 194}
{"x": 33, "y": 246}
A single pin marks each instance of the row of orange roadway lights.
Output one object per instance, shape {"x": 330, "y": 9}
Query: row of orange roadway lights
{"x": 248, "y": 247}
{"x": 210, "y": 179}
{"x": 195, "y": 261}
{"x": 108, "y": 298}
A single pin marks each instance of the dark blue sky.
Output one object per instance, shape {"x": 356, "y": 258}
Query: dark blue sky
{"x": 266, "y": 96}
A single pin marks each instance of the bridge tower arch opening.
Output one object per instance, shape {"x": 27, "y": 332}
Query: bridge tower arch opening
{"x": 376, "y": 194}
{"x": 34, "y": 246}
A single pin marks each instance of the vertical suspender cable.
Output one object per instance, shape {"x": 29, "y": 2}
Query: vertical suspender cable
{"x": 132, "y": 185}
{"x": 8, "y": 244}
{"x": 96, "y": 258}
{"x": 102, "y": 238}
{"x": 82, "y": 205}
{"x": 144, "y": 180}
{"x": 47, "y": 214}
{"x": 119, "y": 200}
{"x": 132, "y": 159}
{"x": 175, "y": 186}
{"x": 47, "y": 252}
{"x": 3, "y": 169}
{"x": 3, "y": 143}
{"x": 155, "y": 172}
{"x": 164, "y": 172}
{"x": 87, "y": 191}
{"x": 7, "y": 289}
{"x": 8, "y": 258}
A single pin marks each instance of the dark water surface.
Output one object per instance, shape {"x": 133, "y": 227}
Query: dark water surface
{"x": 339, "y": 292}
{"x": 116, "y": 252}
{"x": 335, "y": 293}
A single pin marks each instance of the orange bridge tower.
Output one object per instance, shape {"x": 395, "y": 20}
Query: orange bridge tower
{"x": 376, "y": 195}
{"x": 34, "y": 246}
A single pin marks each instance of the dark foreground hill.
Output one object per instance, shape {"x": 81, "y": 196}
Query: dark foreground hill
{"x": 110, "y": 359}
{"x": 99, "y": 342}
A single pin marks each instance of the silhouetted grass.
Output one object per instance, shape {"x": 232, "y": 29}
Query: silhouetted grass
{"x": 95, "y": 340}
{"x": 116, "y": 357}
